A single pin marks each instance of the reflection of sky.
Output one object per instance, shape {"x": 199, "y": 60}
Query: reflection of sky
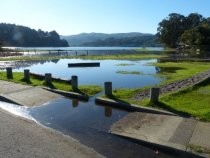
{"x": 69, "y": 116}
{"x": 99, "y": 75}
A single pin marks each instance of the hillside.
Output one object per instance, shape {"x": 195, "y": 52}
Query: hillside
{"x": 117, "y": 39}
{"x": 21, "y": 36}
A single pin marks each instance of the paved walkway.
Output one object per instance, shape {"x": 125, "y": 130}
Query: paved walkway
{"x": 166, "y": 130}
{"x": 20, "y": 138}
{"x": 24, "y": 94}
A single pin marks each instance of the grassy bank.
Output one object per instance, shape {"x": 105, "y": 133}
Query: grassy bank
{"x": 130, "y": 56}
{"x": 192, "y": 101}
{"x": 174, "y": 71}
{"x": 19, "y": 78}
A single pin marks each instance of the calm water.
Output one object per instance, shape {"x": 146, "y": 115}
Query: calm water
{"x": 98, "y": 75}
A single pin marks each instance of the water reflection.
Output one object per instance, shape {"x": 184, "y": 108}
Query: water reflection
{"x": 25, "y": 64}
{"x": 90, "y": 125}
{"x": 167, "y": 69}
{"x": 107, "y": 111}
{"x": 98, "y": 75}
{"x": 75, "y": 103}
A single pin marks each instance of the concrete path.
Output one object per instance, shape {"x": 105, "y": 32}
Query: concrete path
{"x": 164, "y": 130}
{"x": 20, "y": 138}
{"x": 24, "y": 94}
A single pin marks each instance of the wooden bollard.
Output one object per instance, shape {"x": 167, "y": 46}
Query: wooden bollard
{"x": 74, "y": 82}
{"x": 27, "y": 74}
{"x": 9, "y": 73}
{"x": 108, "y": 88}
{"x": 154, "y": 95}
{"x": 48, "y": 78}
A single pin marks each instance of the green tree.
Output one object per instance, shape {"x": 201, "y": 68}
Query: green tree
{"x": 193, "y": 20}
{"x": 171, "y": 28}
{"x": 192, "y": 37}
{"x": 197, "y": 37}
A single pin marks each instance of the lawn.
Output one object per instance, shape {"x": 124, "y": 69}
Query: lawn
{"x": 193, "y": 101}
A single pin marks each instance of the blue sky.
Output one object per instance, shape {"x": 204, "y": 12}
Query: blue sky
{"x": 69, "y": 17}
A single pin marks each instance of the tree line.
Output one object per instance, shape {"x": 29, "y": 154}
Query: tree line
{"x": 143, "y": 41}
{"x": 192, "y": 31}
{"x": 21, "y": 36}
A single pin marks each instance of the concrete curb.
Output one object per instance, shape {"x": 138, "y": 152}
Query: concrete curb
{"x": 68, "y": 94}
{"x": 171, "y": 147}
{"x": 131, "y": 107}
{"x": 8, "y": 100}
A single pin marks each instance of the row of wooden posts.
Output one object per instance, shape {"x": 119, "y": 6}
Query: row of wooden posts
{"x": 48, "y": 77}
{"x": 154, "y": 92}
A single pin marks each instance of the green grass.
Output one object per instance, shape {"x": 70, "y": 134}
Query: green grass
{"x": 129, "y": 72}
{"x": 174, "y": 71}
{"x": 191, "y": 101}
{"x": 18, "y": 78}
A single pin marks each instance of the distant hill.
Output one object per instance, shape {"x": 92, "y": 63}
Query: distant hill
{"x": 116, "y": 39}
{"x": 21, "y": 36}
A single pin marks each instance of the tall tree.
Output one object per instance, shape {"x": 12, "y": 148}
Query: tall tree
{"x": 192, "y": 37}
{"x": 193, "y": 20}
{"x": 170, "y": 29}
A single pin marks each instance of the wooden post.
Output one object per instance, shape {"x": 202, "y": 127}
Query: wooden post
{"x": 108, "y": 88}
{"x": 48, "y": 78}
{"x": 9, "y": 73}
{"x": 74, "y": 82}
{"x": 27, "y": 74}
{"x": 154, "y": 95}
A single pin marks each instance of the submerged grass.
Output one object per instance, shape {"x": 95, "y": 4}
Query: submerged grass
{"x": 129, "y": 72}
{"x": 18, "y": 77}
{"x": 125, "y": 64}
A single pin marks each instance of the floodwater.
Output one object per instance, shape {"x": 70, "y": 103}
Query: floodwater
{"x": 90, "y": 124}
{"x": 108, "y": 71}
{"x": 87, "y": 122}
